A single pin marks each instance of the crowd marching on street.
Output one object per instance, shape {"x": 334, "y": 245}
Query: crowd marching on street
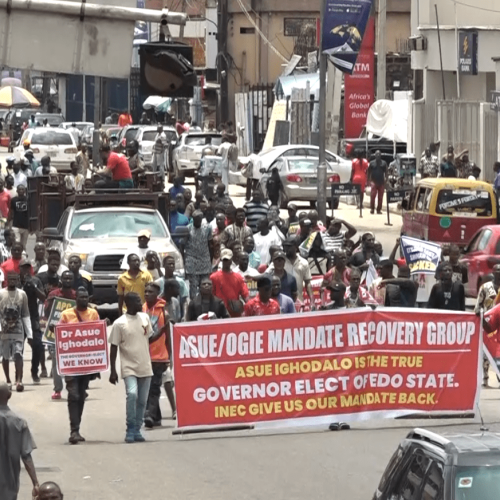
{"x": 238, "y": 262}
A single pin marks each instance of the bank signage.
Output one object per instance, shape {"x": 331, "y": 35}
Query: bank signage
{"x": 467, "y": 52}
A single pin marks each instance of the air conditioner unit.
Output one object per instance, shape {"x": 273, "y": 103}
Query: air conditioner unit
{"x": 417, "y": 43}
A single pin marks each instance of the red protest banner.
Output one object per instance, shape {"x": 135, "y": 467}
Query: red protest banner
{"x": 310, "y": 368}
{"x": 82, "y": 348}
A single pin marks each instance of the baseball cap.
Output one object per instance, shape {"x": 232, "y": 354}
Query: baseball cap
{"x": 10, "y": 159}
{"x": 337, "y": 286}
{"x": 292, "y": 206}
{"x": 24, "y": 262}
{"x": 279, "y": 255}
{"x": 226, "y": 254}
{"x": 144, "y": 232}
{"x": 28, "y": 152}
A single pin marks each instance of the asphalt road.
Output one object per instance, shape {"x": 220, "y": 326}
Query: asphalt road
{"x": 290, "y": 464}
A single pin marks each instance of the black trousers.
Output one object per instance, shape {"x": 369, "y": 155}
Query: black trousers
{"x": 37, "y": 352}
{"x": 77, "y": 388}
{"x": 153, "y": 405}
{"x": 102, "y": 184}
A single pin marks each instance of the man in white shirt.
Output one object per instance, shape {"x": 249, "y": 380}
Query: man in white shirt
{"x": 243, "y": 267}
{"x": 74, "y": 181}
{"x": 142, "y": 248}
{"x": 132, "y": 333}
{"x": 46, "y": 168}
{"x": 18, "y": 176}
{"x": 264, "y": 239}
{"x": 75, "y": 132}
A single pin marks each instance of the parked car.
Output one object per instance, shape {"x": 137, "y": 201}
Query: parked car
{"x": 57, "y": 143}
{"x": 264, "y": 159}
{"x": 146, "y": 139}
{"x": 482, "y": 253}
{"x": 299, "y": 176}
{"x": 428, "y": 466}
{"x": 367, "y": 145}
{"x": 186, "y": 155}
{"x": 53, "y": 119}
{"x": 14, "y": 119}
{"x": 81, "y": 126}
{"x": 126, "y": 135}
{"x": 101, "y": 236}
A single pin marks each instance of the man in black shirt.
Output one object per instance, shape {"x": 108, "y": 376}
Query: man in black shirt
{"x": 460, "y": 272}
{"x": 447, "y": 294}
{"x": 18, "y": 215}
{"x": 33, "y": 288}
{"x": 377, "y": 176}
{"x": 360, "y": 259}
{"x": 50, "y": 279}
{"x": 205, "y": 303}
{"x": 401, "y": 291}
{"x": 80, "y": 279}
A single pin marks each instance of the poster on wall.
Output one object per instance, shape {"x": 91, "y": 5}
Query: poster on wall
{"x": 344, "y": 25}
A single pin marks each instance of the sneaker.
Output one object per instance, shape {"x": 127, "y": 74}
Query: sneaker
{"x": 149, "y": 422}
{"x": 174, "y": 415}
{"x": 138, "y": 437}
{"x": 36, "y": 379}
{"x": 43, "y": 374}
{"x": 129, "y": 438}
{"x": 56, "y": 395}
{"x": 74, "y": 438}
{"x": 19, "y": 387}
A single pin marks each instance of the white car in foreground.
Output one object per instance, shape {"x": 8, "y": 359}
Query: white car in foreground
{"x": 56, "y": 143}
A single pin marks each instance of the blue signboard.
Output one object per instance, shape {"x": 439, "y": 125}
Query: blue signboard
{"x": 344, "y": 24}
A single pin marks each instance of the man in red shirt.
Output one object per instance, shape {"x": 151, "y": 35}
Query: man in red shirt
{"x": 262, "y": 304}
{"x": 12, "y": 264}
{"x": 229, "y": 286}
{"x": 116, "y": 165}
{"x": 4, "y": 200}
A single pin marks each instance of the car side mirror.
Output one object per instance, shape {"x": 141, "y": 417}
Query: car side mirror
{"x": 52, "y": 233}
{"x": 262, "y": 170}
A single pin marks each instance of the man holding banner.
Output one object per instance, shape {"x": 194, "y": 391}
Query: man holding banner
{"x": 77, "y": 385}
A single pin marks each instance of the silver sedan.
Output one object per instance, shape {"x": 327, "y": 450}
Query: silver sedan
{"x": 299, "y": 176}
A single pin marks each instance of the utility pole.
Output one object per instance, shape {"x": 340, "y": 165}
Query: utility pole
{"x": 323, "y": 65}
{"x": 181, "y": 28}
{"x": 97, "y": 120}
{"x": 221, "y": 61}
{"x": 381, "y": 49}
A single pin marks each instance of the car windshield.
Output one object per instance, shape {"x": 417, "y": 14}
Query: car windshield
{"x": 466, "y": 202}
{"x": 49, "y": 137}
{"x": 115, "y": 225}
{"x": 477, "y": 483}
{"x": 202, "y": 140}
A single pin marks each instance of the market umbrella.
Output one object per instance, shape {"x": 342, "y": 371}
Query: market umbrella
{"x": 17, "y": 97}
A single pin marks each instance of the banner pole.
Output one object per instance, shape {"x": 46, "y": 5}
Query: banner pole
{"x": 388, "y": 223}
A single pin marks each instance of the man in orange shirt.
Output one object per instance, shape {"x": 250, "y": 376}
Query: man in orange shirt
{"x": 160, "y": 352}
{"x": 77, "y": 385}
{"x": 125, "y": 119}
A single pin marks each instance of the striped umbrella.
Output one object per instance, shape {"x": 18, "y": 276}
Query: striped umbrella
{"x": 17, "y": 97}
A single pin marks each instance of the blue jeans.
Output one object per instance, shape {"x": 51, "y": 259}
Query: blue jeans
{"x": 137, "y": 389}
